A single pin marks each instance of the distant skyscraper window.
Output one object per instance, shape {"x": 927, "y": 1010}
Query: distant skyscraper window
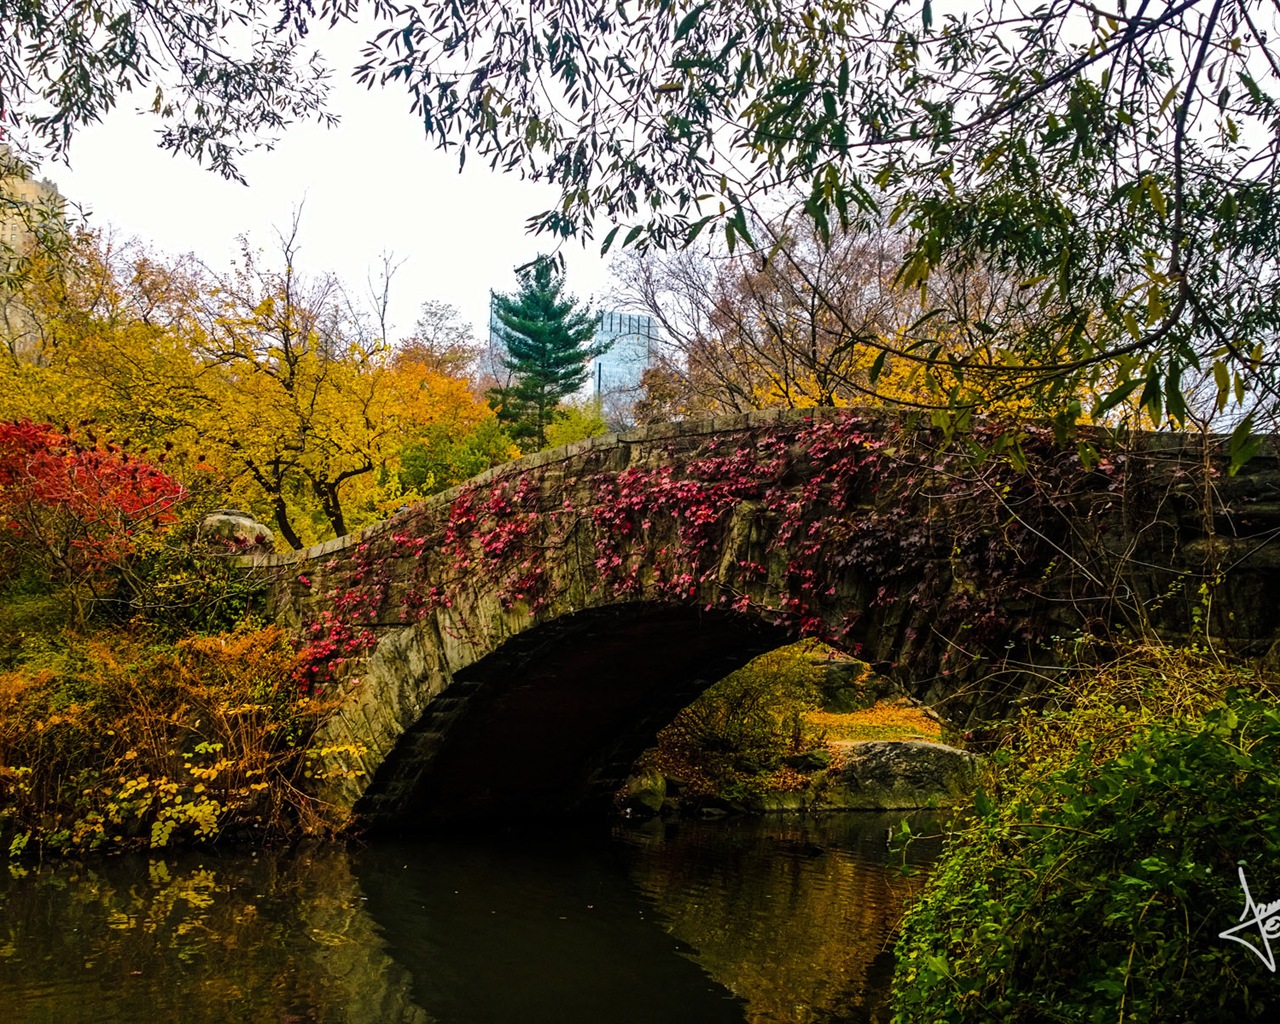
{"x": 619, "y": 369}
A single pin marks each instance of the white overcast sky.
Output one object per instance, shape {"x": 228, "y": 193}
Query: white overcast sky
{"x": 370, "y": 185}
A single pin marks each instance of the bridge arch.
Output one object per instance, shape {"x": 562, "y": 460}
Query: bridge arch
{"x": 551, "y": 721}
{"x": 532, "y": 611}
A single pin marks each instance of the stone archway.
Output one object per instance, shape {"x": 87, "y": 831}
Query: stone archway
{"x": 498, "y": 606}
{"x": 551, "y": 722}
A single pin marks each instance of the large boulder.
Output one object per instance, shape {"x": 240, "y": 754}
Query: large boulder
{"x": 643, "y": 793}
{"x": 899, "y": 775}
{"x": 849, "y": 684}
{"x": 235, "y": 532}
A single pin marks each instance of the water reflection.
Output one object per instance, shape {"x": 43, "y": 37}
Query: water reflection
{"x": 533, "y": 928}
{"x": 195, "y": 939}
{"x": 706, "y": 922}
{"x": 795, "y": 917}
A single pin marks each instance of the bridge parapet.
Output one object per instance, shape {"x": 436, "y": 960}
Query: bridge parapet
{"x": 713, "y": 541}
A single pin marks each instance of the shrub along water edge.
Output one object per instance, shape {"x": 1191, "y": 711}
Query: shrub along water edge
{"x": 123, "y": 740}
{"x": 1103, "y": 862}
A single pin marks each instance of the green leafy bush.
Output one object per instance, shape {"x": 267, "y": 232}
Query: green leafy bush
{"x": 738, "y": 733}
{"x": 576, "y": 421}
{"x": 1095, "y": 882}
{"x": 182, "y": 589}
{"x": 441, "y": 457}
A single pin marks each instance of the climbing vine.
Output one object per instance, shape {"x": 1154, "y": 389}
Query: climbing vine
{"x": 825, "y": 526}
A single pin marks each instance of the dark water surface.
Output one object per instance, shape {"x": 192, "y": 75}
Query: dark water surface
{"x": 689, "y": 923}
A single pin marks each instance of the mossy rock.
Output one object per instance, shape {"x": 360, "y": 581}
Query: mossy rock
{"x": 810, "y": 760}
{"x": 784, "y": 802}
{"x": 644, "y": 793}
{"x": 848, "y": 684}
{"x": 892, "y": 775}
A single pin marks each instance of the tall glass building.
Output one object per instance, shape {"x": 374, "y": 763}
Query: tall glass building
{"x": 618, "y": 371}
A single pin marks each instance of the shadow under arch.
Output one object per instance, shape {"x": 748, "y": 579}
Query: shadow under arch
{"x": 549, "y": 723}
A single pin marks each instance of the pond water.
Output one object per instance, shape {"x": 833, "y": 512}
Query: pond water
{"x": 708, "y": 922}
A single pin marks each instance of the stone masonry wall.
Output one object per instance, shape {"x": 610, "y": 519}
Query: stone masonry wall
{"x": 944, "y": 569}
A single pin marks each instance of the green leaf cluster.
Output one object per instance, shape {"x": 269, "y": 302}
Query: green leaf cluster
{"x": 222, "y": 77}
{"x": 1092, "y": 885}
{"x": 441, "y": 457}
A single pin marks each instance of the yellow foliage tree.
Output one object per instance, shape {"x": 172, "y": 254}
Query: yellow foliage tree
{"x": 811, "y": 321}
{"x": 268, "y": 389}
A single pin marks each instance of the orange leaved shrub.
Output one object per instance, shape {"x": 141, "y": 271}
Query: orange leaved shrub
{"x": 118, "y": 741}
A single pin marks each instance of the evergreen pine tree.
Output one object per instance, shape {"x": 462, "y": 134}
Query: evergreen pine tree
{"x": 549, "y": 341}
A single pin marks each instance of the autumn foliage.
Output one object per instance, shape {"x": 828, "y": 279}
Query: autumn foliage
{"x": 115, "y": 741}
{"x": 270, "y": 392}
{"x": 74, "y": 511}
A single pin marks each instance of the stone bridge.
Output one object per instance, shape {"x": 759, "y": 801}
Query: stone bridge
{"x": 509, "y": 647}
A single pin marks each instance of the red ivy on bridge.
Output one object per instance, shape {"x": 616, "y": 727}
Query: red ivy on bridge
{"x": 825, "y": 505}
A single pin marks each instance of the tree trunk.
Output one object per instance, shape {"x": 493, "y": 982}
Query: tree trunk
{"x": 286, "y": 527}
